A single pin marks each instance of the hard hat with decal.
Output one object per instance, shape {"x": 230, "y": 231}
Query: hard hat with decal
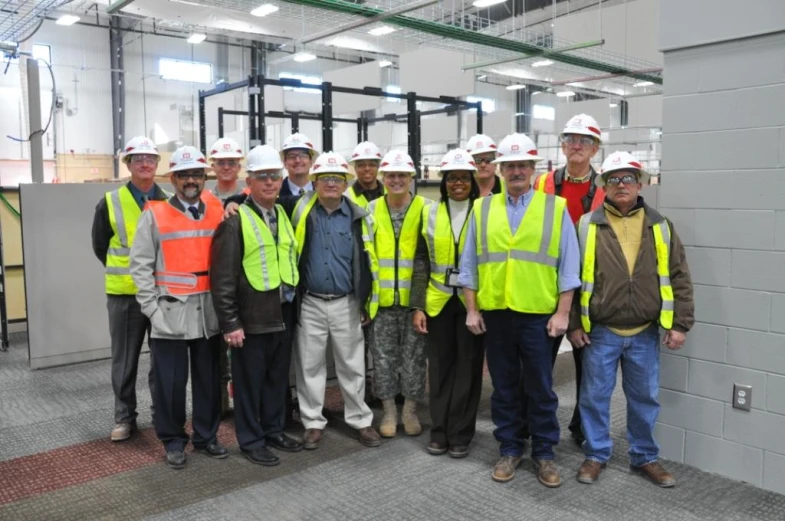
{"x": 225, "y": 148}
{"x": 458, "y": 159}
{"x": 479, "y": 144}
{"x": 366, "y": 150}
{"x": 330, "y": 163}
{"x": 517, "y": 147}
{"x": 621, "y": 161}
{"x": 584, "y": 125}
{"x": 397, "y": 161}
{"x": 263, "y": 157}
{"x": 139, "y": 145}
{"x": 298, "y": 141}
{"x": 187, "y": 158}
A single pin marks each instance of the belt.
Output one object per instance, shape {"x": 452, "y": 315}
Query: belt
{"x": 326, "y": 298}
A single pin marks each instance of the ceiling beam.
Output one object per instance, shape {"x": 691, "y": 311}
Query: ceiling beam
{"x": 574, "y": 47}
{"x": 118, "y": 5}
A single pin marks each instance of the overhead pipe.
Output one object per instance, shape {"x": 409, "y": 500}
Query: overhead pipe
{"x": 585, "y": 45}
{"x": 605, "y": 76}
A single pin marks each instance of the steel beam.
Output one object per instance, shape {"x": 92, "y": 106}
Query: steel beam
{"x": 117, "y": 66}
{"x": 118, "y": 5}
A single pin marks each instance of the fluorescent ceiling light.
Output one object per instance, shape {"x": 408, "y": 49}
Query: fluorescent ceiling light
{"x": 264, "y": 10}
{"x": 67, "y": 19}
{"x": 385, "y": 63}
{"x": 304, "y": 57}
{"x": 614, "y": 105}
{"x": 565, "y": 94}
{"x": 486, "y": 3}
{"x": 482, "y": 76}
{"x": 542, "y": 63}
{"x": 381, "y": 31}
{"x": 516, "y": 87}
{"x": 643, "y": 84}
{"x": 197, "y": 38}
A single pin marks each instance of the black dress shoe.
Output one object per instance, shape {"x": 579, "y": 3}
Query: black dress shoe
{"x": 459, "y": 451}
{"x": 262, "y": 456}
{"x": 284, "y": 442}
{"x": 215, "y": 450}
{"x": 175, "y": 459}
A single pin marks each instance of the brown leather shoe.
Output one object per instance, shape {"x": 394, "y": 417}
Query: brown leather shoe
{"x": 590, "y": 471}
{"x": 504, "y": 470}
{"x": 657, "y": 474}
{"x": 369, "y": 437}
{"x": 312, "y": 438}
{"x": 547, "y": 472}
{"x": 122, "y": 431}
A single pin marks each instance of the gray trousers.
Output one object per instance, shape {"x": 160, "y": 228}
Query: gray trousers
{"x": 398, "y": 355}
{"x": 127, "y": 328}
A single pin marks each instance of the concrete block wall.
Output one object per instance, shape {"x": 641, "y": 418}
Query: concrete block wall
{"x": 723, "y": 185}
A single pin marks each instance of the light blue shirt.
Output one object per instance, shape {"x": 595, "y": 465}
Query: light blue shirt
{"x": 328, "y": 266}
{"x": 295, "y": 190}
{"x": 568, "y": 265}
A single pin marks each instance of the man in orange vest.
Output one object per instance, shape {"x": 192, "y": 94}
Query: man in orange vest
{"x": 170, "y": 264}
{"x": 580, "y": 142}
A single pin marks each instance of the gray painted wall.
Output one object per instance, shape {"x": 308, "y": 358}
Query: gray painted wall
{"x": 723, "y": 185}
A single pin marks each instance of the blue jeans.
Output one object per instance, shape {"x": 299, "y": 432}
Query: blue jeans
{"x": 640, "y": 366}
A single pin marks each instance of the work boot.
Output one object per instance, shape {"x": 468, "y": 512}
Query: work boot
{"x": 590, "y": 471}
{"x": 312, "y": 438}
{"x": 504, "y": 470}
{"x": 547, "y": 472}
{"x": 411, "y": 423}
{"x": 657, "y": 474}
{"x": 389, "y": 424}
{"x": 369, "y": 437}
{"x": 122, "y": 431}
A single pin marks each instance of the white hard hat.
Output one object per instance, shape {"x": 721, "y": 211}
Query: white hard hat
{"x": 584, "y": 125}
{"x": 479, "y": 144}
{"x": 458, "y": 159}
{"x": 226, "y": 148}
{"x": 187, "y": 158}
{"x": 621, "y": 161}
{"x": 397, "y": 161}
{"x": 139, "y": 145}
{"x": 366, "y": 150}
{"x": 263, "y": 157}
{"x": 330, "y": 163}
{"x": 298, "y": 141}
{"x": 517, "y": 147}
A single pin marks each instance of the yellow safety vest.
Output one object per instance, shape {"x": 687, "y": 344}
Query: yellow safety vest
{"x": 518, "y": 272}
{"x": 360, "y": 200}
{"x": 299, "y": 220}
{"x": 124, "y": 214}
{"x": 442, "y": 251}
{"x": 267, "y": 264}
{"x": 396, "y": 254}
{"x": 587, "y": 236}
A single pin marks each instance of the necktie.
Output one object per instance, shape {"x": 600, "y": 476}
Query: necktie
{"x": 272, "y": 223}
{"x": 301, "y": 191}
{"x": 194, "y": 211}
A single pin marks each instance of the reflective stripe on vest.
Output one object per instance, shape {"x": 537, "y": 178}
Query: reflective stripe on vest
{"x": 587, "y": 236}
{"x": 519, "y": 272}
{"x": 396, "y": 254}
{"x": 265, "y": 262}
{"x": 438, "y": 234}
{"x": 124, "y": 214}
{"x": 359, "y": 200}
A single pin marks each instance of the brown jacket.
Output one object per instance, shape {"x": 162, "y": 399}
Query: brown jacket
{"x": 621, "y": 301}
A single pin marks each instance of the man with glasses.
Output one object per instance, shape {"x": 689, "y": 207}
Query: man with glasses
{"x": 253, "y": 274}
{"x": 170, "y": 264}
{"x": 297, "y": 154}
{"x": 114, "y": 227}
{"x": 365, "y": 160}
{"x": 520, "y": 239}
{"x": 635, "y": 278}
{"x": 225, "y": 156}
{"x": 580, "y": 142}
{"x": 483, "y": 150}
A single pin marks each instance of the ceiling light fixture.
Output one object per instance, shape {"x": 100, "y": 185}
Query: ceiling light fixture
{"x": 385, "y": 63}
{"x": 304, "y": 57}
{"x": 643, "y": 84}
{"x": 565, "y": 94}
{"x": 482, "y": 76}
{"x": 614, "y": 105}
{"x": 486, "y": 3}
{"x": 264, "y": 10}
{"x": 517, "y": 86}
{"x": 67, "y": 19}
{"x": 381, "y": 31}
{"x": 197, "y": 38}
{"x": 542, "y": 63}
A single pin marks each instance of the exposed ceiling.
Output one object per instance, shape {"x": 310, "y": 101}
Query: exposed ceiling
{"x": 20, "y": 18}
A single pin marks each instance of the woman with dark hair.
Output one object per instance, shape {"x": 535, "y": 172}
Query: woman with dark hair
{"x": 455, "y": 355}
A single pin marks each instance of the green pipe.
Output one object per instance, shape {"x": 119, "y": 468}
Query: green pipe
{"x": 457, "y": 33}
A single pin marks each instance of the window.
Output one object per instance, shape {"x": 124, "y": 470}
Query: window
{"x": 179, "y": 70}
{"x": 544, "y": 112}
{"x": 488, "y": 105}
{"x": 393, "y": 89}
{"x": 41, "y": 51}
{"x": 306, "y": 79}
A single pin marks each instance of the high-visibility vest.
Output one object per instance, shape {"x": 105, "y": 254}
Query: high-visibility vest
{"x": 299, "y": 221}
{"x": 519, "y": 272}
{"x": 443, "y": 254}
{"x": 587, "y": 236}
{"x": 547, "y": 183}
{"x": 360, "y": 200}
{"x": 266, "y": 262}
{"x": 185, "y": 246}
{"x": 396, "y": 254}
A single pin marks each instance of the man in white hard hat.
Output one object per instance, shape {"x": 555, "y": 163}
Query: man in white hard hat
{"x": 365, "y": 161}
{"x": 170, "y": 264}
{"x": 483, "y": 149}
{"x": 338, "y": 294}
{"x": 253, "y": 273}
{"x": 398, "y": 351}
{"x": 225, "y": 157}
{"x": 114, "y": 226}
{"x": 635, "y": 278}
{"x": 297, "y": 154}
{"x": 517, "y": 239}
{"x": 580, "y": 142}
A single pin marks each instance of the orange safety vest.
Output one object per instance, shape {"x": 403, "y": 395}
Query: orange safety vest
{"x": 185, "y": 246}
{"x": 547, "y": 183}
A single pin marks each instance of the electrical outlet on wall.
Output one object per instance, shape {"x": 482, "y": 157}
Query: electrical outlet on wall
{"x": 742, "y": 397}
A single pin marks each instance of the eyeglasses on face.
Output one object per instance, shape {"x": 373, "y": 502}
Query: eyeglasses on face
{"x": 483, "y": 160}
{"x": 628, "y": 179}
{"x": 264, "y": 176}
{"x": 294, "y": 156}
{"x": 584, "y": 141}
{"x": 465, "y": 179}
{"x": 226, "y": 162}
{"x": 143, "y": 159}
{"x": 331, "y": 179}
{"x": 196, "y": 176}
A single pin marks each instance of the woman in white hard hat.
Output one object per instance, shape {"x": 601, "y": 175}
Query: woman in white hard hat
{"x": 455, "y": 355}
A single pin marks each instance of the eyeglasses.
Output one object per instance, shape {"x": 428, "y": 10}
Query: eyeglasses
{"x": 331, "y": 179}
{"x": 196, "y": 176}
{"x": 628, "y": 179}
{"x": 584, "y": 141}
{"x": 465, "y": 179}
{"x": 226, "y": 162}
{"x": 296, "y": 155}
{"x": 139, "y": 159}
{"x": 481, "y": 160}
{"x": 264, "y": 176}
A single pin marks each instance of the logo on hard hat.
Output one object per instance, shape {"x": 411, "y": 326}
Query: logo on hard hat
{"x": 479, "y": 144}
{"x": 616, "y": 160}
{"x": 145, "y": 143}
{"x": 331, "y": 160}
{"x": 458, "y": 157}
{"x": 227, "y": 146}
{"x": 514, "y": 148}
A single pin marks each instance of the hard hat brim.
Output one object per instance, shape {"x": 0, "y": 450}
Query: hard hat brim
{"x": 227, "y": 155}
{"x": 583, "y": 132}
{"x": 259, "y": 168}
{"x": 180, "y": 168}
{"x": 349, "y": 176}
{"x": 509, "y": 159}
{"x": 483, "y": 151}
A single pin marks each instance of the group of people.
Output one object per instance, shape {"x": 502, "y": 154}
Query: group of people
{"x": 498, "y": 269}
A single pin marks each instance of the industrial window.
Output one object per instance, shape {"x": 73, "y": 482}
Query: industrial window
{"x": 306, "y": 79}
{"x": 488, "y": 105}
{"x": 393, "y": 89}
{"x": 544, "y": 112}
{"x": 40, "y": 51}
{"x": 179, "y": 70}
